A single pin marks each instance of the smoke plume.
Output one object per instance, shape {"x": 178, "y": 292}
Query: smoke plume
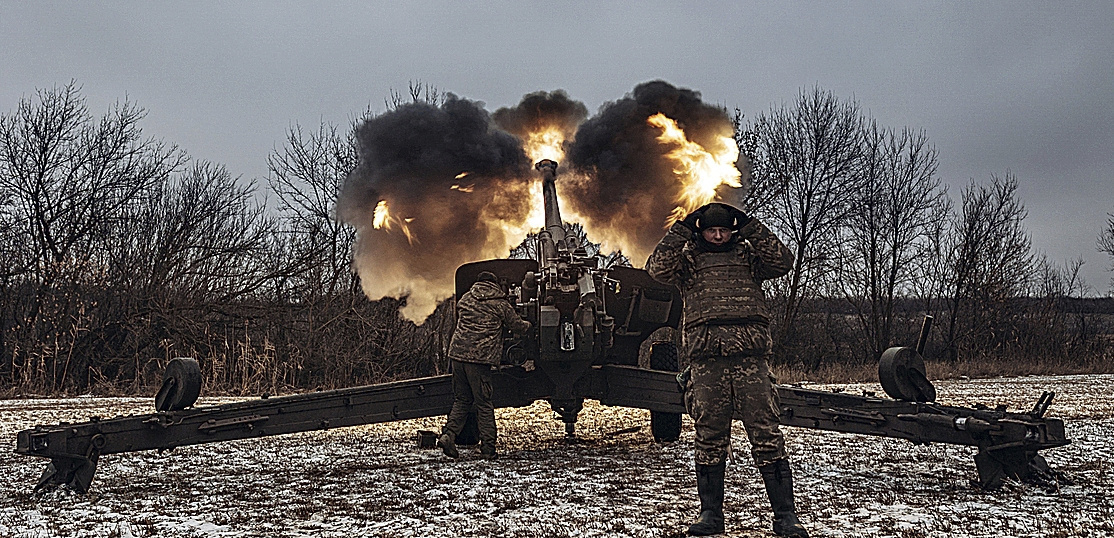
{"x": 626, "y": 185}
{"x": 438, "y": 186}
{"x": 444, "y": 187}
{"x": 544, "y": 121}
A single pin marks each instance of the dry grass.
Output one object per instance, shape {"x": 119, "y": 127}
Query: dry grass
{"x": 832, "y": 373}
{"x": 827, "y": 373}
{"x": 1002, "y": 366}
{"x": 971, "y": 368}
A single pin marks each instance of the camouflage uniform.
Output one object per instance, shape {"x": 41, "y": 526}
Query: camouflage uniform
{"x": 477, "y": 346}
{"x": 726, "y": 336}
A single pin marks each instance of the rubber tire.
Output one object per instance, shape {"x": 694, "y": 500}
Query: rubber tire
{"x": 896, "y": 370}
{"x": 181, "y": 385}
{"x": 666, "y": 427}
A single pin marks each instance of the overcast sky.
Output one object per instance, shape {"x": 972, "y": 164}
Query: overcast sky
{"x": 997, "y": 86}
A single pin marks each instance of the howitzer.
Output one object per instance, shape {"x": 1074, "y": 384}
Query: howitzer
{"x": 589, "y": 323}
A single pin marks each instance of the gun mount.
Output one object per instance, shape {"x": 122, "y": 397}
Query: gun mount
{"x": 588, "y": 324}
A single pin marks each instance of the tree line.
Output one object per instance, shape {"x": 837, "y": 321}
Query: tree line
{"x": 880, "y": 242}
{"x": 123, "y": 252}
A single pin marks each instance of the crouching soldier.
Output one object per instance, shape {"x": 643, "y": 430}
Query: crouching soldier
{"x": 477, "y": 346}
{"x": 718, "y": 256}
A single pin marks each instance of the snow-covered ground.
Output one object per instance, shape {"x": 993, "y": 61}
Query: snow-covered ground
{"x": 374, "y": 481}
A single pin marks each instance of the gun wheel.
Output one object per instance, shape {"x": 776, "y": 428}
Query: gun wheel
{"x": 902, "y": 375}
{"x": 665, "y": 426}
{"x": 181, "y": 385}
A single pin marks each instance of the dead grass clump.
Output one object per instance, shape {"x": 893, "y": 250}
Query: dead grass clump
{"x": 963, "y": 368}
{"x": 826, "y": 373}
{"x": 984, "y": 367}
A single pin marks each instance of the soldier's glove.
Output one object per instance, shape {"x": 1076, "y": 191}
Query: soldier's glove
{"x": 742, "y": 217}
{"x": 690, "y": 221}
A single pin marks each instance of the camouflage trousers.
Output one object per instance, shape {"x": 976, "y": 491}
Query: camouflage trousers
{"x": 472, "y": 389}
{"x": 740, "y": 387}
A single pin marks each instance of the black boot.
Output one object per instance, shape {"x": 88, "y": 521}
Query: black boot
{"x": 709, "y": 483}
{"x": 448, "y": 445}
{"x": 487, "y": 450}
{"x": 779, "y": 486}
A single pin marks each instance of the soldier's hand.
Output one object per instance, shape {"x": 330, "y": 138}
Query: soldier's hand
{"x": 690, "y": 221}
{"x": 742, "y": 217}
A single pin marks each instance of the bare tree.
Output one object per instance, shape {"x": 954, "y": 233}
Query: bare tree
{"x": 989, "y": 261}
{"x": 804, "y": 162}
{"x": 118, "y": 256}
{"x": 192, "y": 245}
{"x": 417, "y": 92}
{"x": 68, "y": 180}
{"x": 12, "y": 250}
{"x": 71, "y": 176}
{"x": 1056, "y": 326}
{"x": 199, "y": 236}
{"x": 889, "y": 230}
{"x": 306, "y": 176}
{"x": 760, "y": 186}
{"x": 1106, "y": 243}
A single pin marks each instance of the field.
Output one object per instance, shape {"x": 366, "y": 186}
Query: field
{"x": 374, "y": 481}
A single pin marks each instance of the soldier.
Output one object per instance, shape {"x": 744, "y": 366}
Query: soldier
{"x": 477, "y": 346}
{"x": 718, "y": 256}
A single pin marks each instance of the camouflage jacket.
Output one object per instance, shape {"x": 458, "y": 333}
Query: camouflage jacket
{"x": 725, "y": 308}
{"x": 481, "y": 314}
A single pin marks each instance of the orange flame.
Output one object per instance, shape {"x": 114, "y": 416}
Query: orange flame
{"x": 512, "y": 210}
{"x": 700, "y": 170}
{"x": 546, "y": 144}
{"x": 382, "y": 220}
{"x": 382, "y": 216}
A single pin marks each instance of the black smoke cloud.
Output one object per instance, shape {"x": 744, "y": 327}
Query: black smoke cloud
{"x": 541, "y": 110}
{"x": 421, "y": 147}
{"x": 616, "y": 181}
{"x": 411, "y": 157}
{"x": 631, "y": 187}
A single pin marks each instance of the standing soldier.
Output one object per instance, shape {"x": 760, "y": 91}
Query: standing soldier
{"x": 476, "y": 347}
{"x": 718, "y": 256}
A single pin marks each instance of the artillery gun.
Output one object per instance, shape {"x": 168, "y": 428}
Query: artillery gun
{"x": 589, "y": 323}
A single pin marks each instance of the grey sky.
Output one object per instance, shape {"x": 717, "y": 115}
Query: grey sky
{"x": 1027, "y": 87}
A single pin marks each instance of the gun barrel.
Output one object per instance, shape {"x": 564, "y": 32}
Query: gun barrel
{"x": 926, "y": 327}
{"x": 554, "y": 227}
